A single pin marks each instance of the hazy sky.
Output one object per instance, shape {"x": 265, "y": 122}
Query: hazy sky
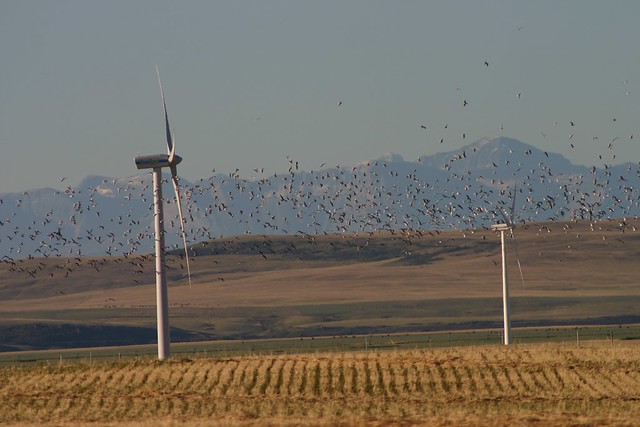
{"x": 249, "y": 83}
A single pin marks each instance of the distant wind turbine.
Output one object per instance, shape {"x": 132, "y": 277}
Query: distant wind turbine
{"x": 157, "y": 162}
{"x": 508, "y": 225}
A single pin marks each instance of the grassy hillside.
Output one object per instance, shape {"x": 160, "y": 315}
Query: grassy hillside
{"x": 267, "y": 286}
{"x": 551, "y": 385}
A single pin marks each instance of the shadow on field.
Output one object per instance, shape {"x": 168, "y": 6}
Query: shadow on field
{"x": 43, "y": 336}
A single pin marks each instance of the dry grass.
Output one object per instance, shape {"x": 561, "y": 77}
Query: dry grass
{"x": 555, "y": 385}
{"x": 558, "y": 259}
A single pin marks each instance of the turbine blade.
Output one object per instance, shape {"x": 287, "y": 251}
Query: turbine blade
{"x": 515, "y": 248}
{"x": 176, "y": 188}
{"x": 513, "y": 203}
{"x": 505, "y": 217}
{"x": 173, "y": 147}
{"x": 170, "y": 145}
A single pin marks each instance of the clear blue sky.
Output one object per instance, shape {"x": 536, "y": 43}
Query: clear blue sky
{"x": 249, "y": 83}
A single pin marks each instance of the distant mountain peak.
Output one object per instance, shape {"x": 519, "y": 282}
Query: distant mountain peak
{"x": 498, "y": 142}
{"x": 391, "y": 158}
{"x": 486, "y": 140}
{"x": 382, "y": 160}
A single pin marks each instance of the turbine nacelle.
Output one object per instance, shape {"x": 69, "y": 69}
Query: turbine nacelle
{"x": 500, "y": 227}
{"x": 157, "y": 161}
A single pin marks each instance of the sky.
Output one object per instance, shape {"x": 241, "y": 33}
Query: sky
{"x": 252, "y": 84}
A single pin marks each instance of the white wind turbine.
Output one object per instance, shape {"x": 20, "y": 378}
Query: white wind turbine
{"x": 157, "y": 162}
{"x": 508, "y": 225}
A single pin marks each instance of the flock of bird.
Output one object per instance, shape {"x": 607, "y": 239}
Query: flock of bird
{"x": 463, "y": 189}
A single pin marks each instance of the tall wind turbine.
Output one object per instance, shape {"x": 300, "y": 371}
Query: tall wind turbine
{"x": 508, "y": 225}
{"x": 156, "y": 162}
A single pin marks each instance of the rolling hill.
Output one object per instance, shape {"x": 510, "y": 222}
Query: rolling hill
{"x": 576, "y": 272}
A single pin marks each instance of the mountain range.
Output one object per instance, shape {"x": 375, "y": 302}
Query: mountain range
{"x": 460, "y": 189}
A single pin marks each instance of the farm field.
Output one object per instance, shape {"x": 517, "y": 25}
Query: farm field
{"x": 555, "y": 384}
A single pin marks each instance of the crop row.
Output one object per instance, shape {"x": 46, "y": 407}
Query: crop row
{"x": 398, "y": 385}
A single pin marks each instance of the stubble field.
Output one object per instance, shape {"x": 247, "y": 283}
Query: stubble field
{"x": 543, "y": 384}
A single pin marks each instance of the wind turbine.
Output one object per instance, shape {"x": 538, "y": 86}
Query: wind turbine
{"x": 156, "y": 162}
{"x": 508, "y": 225}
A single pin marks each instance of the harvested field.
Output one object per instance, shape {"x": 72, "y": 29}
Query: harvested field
{"x": 549, "y": 384}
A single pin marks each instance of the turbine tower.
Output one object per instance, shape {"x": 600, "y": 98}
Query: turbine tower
{"x": 156, "y": 162}
{"x": 508, "y": 225}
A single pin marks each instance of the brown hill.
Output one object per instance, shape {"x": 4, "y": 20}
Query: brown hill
{"x": 258, "y": 286}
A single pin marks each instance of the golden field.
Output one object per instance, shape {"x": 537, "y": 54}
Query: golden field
{"x": 543, "y": 384}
